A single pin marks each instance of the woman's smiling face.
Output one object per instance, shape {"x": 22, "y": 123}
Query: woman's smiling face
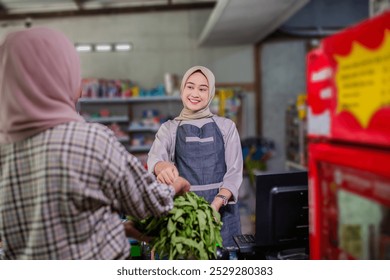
{"x": 195, "y": 94}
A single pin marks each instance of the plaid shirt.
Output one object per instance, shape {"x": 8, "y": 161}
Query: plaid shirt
{"x": 61, "y": 191}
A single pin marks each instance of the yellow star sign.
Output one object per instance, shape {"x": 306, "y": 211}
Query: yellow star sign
{"x": 363, "y": 80}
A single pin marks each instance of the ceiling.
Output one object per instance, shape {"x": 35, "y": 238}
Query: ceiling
{"x": 235, "y": 22}
{"x": 17, "y": 9}
{"x": 232, "y": 22}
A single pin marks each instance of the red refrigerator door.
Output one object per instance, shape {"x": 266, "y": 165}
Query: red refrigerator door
{"x": 348, "y": 85}
{"x": 349, "y": 202}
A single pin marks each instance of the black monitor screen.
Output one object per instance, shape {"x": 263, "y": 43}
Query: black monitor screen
{"x": 282, "y": 210}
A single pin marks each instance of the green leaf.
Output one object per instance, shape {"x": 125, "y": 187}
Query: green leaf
{"x": 171, "y": 227}
{"x": 188, "y": 231}
{"x": 178, "y": 213}
{"x": 179, "y": 248}
{"x": 192, "y": 201}
{"x": 180, "y": 220}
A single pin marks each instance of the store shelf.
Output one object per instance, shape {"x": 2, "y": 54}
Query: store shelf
{"x": 102, "y": 100}
{"x": 144, "y": 99}
{"x": 138, "y": 128}
{"x": 290, "y": 165}
{"x": 108, "y": 119}
{"x": 139, "y": 149}
{"x": 123, "y": 138}
{"x": 131, "y": 118}
{"x": 153, "y": 99}
{"x": 295, "y": 137}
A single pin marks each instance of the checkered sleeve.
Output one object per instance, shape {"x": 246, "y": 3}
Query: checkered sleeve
{"x": 61, "y": 191}
{"x": 133, "y": 190}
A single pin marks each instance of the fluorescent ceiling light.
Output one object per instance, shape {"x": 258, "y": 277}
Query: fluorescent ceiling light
{"x": 122, "y": 47}
{"x": 84, "y": 48}
{"x": 103, "y": 48}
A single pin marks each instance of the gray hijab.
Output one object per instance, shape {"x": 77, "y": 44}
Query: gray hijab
{"x": 187, "y": 114}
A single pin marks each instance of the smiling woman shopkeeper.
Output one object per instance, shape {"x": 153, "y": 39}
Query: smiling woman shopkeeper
{"x": 203, "y": 148}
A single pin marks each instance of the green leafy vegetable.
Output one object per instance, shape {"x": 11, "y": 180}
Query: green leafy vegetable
{"x": 191, "y": 230}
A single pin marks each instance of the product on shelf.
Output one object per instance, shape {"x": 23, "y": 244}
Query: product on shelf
{"x": 117, "y": 130}
{"x": 138, "y": 140}
{"x": 171, "y": 83}
{"x": 105, "y": 88}
{"x": 129, "y": 116}
{"x": 104, "y": 112}
{"x": 256, "y": 152}
{"x": 150, "y": 117}
{"x": 157, "y": 91}
{"x": 150, "y": 121}
{"x": 226, "y": 103}
{"x": 296, "y": 130}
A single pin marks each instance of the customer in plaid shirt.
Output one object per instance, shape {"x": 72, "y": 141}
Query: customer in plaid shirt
{"x": 63, "y": 181}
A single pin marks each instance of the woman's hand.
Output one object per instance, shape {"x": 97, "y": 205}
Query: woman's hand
{"x": 218, "y": 202}
{"x": 181, "y": 186}
{"x": 216, "y": 205}
{"x": 166, "y": 172}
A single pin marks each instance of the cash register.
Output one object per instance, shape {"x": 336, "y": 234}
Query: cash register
{"x": 282, "y": 224}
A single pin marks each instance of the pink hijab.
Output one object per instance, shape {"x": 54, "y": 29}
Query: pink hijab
{"x": 39, "y": 83}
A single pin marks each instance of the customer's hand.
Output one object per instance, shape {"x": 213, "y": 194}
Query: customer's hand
{"x": 133, "y": 232}
{"x": 166, "y": 172}
{"x": 181, "y": 185}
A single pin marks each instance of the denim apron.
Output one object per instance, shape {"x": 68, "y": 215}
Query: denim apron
{"x": 200, "y": 158}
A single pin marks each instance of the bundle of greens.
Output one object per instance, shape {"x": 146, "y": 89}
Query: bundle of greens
{"x": 191, "y": 230}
